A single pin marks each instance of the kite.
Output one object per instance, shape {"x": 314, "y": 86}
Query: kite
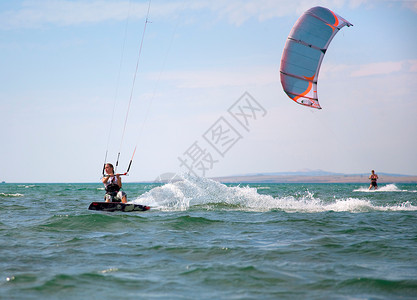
{"x": 304, "y": 51}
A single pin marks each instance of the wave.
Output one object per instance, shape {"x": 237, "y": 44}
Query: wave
{"x": 11, "y": 195}
{"x": 86, "y": 222}
{"x": 387, "y": 188}
{"x": 203, "y": 193}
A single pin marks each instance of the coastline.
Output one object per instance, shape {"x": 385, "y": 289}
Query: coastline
{"x": 335, "y": 178}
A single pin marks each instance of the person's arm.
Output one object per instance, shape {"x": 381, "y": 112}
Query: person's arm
{"x": 119, "y": 180}
{"x": 105, "y": 178}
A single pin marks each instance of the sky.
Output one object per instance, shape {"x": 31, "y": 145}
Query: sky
{"x": 207, "y": 97}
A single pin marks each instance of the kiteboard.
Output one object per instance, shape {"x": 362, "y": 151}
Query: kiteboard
{"x": 117, "y": 206}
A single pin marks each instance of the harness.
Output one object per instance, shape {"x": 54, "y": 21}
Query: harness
{"x": 112, "y": 189}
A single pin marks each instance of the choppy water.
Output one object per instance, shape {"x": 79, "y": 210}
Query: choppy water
{"x": 205, "y": 240}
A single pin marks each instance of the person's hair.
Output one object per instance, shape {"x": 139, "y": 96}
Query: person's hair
{"x": 111, "y": 166}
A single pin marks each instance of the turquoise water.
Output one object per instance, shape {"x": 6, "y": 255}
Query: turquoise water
{"x": 205, "y": 240}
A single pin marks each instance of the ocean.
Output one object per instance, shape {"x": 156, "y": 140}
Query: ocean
{"x": 207, "y": 240}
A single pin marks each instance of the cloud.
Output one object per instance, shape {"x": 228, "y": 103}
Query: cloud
{"x": 38, "y": 13}
{"x": 33, "y": 14}
{"x": 385, "y": 68}
{"x": 329, "y": 70}
{"x": 410, "y": 5}
{"x": 219, "y": 78}
{"x": 238, "y": 12}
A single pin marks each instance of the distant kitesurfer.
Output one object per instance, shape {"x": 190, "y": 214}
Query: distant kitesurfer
{"x": 373, "y": 177}
{"x": 113, "y": 183}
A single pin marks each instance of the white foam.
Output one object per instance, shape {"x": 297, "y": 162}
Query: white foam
{"x": 11, "y": 195}
{"x": 194, "y": 191}
{"x": 387, "y": 188}
{"x": 27, "y": 186}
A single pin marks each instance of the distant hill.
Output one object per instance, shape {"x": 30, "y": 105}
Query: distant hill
{"x": 305, "y": 172}
{"x": 314, "y": 176}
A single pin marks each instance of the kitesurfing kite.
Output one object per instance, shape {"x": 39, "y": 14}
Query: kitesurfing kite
{"x": 304, "y": 51}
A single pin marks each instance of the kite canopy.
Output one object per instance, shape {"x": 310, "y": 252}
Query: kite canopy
{"x": 304, "y": 52}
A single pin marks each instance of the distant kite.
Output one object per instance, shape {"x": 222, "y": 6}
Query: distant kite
{"x": 304, "y": 51}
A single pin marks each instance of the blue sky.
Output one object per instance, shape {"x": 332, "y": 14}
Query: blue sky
{"x": 65, "y": 64}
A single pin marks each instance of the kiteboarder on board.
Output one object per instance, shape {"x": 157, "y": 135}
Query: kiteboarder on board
{"x": 373, "y": 177}
{"x": 113, "y": 183}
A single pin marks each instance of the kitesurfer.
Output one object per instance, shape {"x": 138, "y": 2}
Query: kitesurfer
{"x": 373, "y": 177}
{"x": 113, "y": 183}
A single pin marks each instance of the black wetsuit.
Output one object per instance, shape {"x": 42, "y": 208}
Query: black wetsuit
{"x": 373, "y": 180}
